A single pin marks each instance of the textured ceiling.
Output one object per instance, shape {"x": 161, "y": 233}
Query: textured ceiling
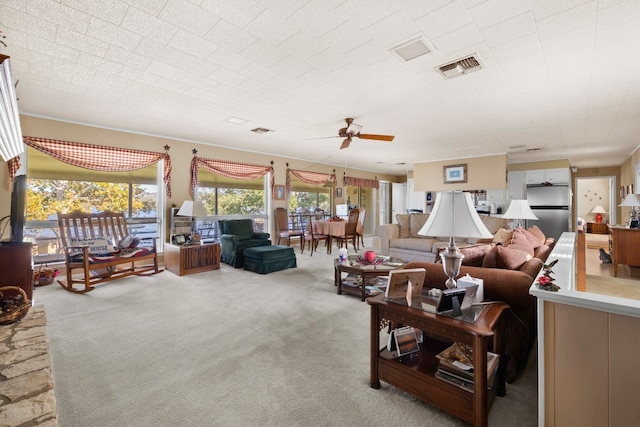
{"x": 560, "y": 76}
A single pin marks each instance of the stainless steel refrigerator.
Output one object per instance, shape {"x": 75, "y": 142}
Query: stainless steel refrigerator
{"x": 552, "y": 205}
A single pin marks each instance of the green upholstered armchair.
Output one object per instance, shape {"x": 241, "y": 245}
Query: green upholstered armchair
{"x": 236, "y": 235}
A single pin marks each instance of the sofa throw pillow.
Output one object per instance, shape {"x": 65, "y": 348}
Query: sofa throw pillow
{"x": 520, "y": 241}
{"x": 129, "y": 242}
{"x": 511, "y": 259}
{"x": 403, "y": 223}
{"x": 536, "y": 236}
{"x": 97, "y": 245}
{"x": 474, "y": 255}
{"x": 416, "y": 222}
{"x": 494, "y": 223}
{"x": 490, "y": 258}
{"x": 503, "y": 236}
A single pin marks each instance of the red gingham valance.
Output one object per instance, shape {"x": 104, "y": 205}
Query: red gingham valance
{"x": 13, "y": 165}
{"x": 100, "y": 157}
{"x": 229, "y": 170}
{"x": 361, "y": 182}
{"x": 309, "y": 177}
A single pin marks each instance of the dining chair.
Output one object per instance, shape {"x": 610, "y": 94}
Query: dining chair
{"x": 314, "y": 238}
{"x": 283, "y": 228}
{"x": 350, "y": 230}
{"x": 361, "y": 217}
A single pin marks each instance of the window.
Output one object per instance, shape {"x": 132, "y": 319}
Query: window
{"x": 224, "y": 197}
{"x": 55, "y": 186}
{"x": 309, "y": 200}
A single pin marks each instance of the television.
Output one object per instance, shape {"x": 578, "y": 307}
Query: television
{"x": 18, "y": 208}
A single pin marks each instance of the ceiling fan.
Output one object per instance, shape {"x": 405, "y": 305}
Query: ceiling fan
{"x": 353, "y": 130}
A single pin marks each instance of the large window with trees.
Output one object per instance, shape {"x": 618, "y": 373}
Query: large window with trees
{"x": 55, "y": 186}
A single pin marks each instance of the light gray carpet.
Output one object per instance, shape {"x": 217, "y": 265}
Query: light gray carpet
{"x": 232, "y": 348}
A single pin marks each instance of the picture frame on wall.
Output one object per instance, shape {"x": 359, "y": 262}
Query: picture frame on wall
{"x": 339, "y": 192}
{"x": 454, "y": 174}
{"x": 279, "y": 192}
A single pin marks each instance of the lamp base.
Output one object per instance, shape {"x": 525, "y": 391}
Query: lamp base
{"x": 451, "y": 262}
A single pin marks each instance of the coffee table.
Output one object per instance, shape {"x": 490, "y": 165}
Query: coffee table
{"x": 356, "y": 266}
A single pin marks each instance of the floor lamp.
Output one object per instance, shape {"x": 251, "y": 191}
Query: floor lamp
{"x": 454, "y": 215}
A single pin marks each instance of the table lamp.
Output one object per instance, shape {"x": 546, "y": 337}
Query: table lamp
{"x": 632, "y": 201}
{"x": 519, "y": 210}
{"x": 454, "y": 215}
{"x": 598, "y": 210}
{"x": 193, "y": 209}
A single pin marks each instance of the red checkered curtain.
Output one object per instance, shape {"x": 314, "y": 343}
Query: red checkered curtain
{"x": 309, "y": 177}
{"x": 13, "y": 165}
{"x": 361, "y": 182}
{"x": 229, "y": 170}
{"x": 100, "y": 157}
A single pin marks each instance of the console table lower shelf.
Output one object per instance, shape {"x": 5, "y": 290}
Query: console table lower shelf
{"x": 415, "y": 373}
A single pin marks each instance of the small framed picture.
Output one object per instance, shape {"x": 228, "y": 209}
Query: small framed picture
{"x": 339, "y": 193}
{"x": 455, "y": 174}
{"x": 178, "y": 239}
{"x": 279, "y": 193}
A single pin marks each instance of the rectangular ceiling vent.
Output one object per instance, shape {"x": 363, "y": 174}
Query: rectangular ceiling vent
{"x": 459, "y": 67}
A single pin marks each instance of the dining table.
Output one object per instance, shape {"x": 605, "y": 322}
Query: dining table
{"x": 333, "y": 228}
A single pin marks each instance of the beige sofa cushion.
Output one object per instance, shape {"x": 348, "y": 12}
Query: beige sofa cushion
{"x": 494, "y": 223}
{"x": 403, "y": 223}
{"x": 416, "y": 221}
{"x": 503, "y": 236}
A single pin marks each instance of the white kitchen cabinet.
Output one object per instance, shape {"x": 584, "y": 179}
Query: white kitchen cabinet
{"x": 495, "y": 196}
{"x": 516, "y": 185}
{"x": 553, "y": 176}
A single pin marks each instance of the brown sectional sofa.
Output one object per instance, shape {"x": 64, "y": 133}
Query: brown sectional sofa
{"x": 508, "y": 285}
{"x": 402, "y": 240}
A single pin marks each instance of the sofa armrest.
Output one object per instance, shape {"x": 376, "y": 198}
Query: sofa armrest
{"x": 386, "y": 232}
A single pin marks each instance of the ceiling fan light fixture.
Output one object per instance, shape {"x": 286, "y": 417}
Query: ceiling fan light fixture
{"x": 353, "y": 129}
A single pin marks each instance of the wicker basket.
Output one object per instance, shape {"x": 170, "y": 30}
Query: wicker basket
{"x": 44, "y": 275}
{"x": 16, "y": 313}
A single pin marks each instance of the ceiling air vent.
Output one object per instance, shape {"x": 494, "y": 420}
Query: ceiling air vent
{"x": 460, "y": 67}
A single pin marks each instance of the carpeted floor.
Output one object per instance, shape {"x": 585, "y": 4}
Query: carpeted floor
{"x": 232, "y": 348}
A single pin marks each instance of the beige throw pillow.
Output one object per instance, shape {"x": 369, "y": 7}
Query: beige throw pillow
{"x": 403, "y": 223}
{"x": 416, "y": 222}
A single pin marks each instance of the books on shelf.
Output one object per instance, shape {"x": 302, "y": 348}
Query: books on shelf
{"x": 456, "y": 366}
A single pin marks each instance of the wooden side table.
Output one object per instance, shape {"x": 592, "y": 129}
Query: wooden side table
{"x": 597, "y": 228}
{"x": 415, "y": 374}
{"x": 189, "y": 259}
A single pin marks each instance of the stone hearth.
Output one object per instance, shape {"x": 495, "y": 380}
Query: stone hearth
{"x": 26, "y": 382}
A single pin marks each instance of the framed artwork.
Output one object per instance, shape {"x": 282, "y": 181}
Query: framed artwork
{"x": 279, "y": 193}
{"x": 339, "y": 192}
{"x": 454, "y": 174}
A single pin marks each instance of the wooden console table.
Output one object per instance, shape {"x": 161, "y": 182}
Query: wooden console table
{"x": 624, "y": 247}
{"x": 414, "y": 373}
{"x": 189, "y": 259}
{"x": 597, "y": 228}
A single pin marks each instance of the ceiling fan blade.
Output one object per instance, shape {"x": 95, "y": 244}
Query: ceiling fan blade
{"x": 387, "y": 138}
{"x": 345, "y": 143}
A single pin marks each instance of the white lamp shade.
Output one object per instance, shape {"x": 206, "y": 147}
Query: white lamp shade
{"x": 519, "y": 209}
{"x": 454, "y": 215}
{"x": 631, "y": 200}
{"x": 598, "y": 209}
{"x": 192, "y": 208}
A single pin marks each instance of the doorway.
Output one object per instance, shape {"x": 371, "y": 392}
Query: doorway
{"x": 595, "y": 191}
